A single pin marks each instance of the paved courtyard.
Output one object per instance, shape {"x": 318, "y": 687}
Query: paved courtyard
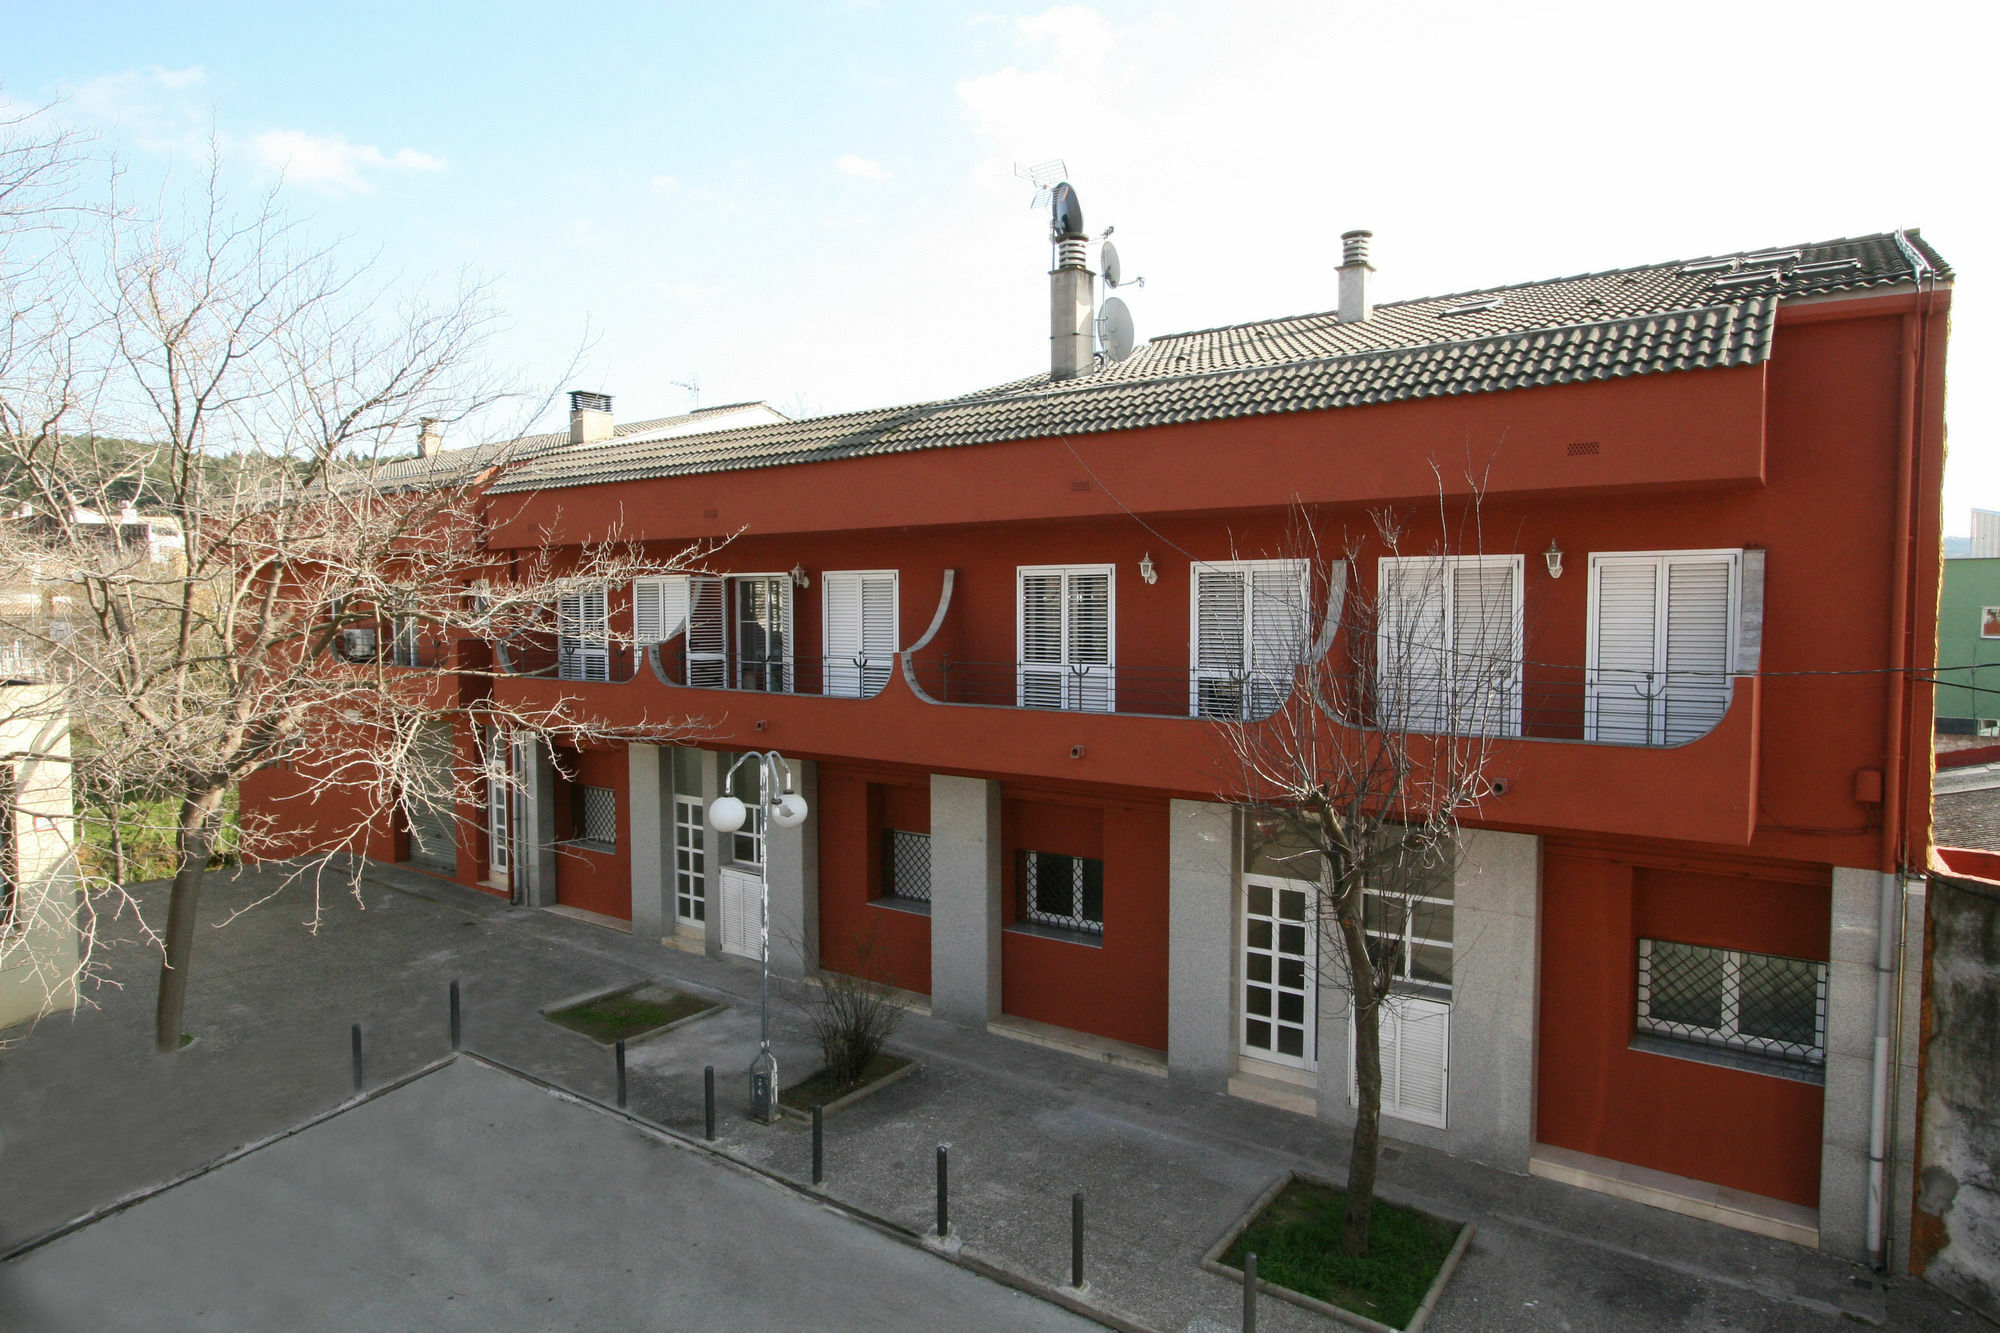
{"x": 470, "y": 1185}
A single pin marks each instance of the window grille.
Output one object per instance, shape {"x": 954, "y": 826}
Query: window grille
{"x": 1754, "y": 1002}
{"x": 10, "y": 859}
{"x": 1066, "y": 892}
{"x": 597, "y": 815}
{"x": 906, "y": 865}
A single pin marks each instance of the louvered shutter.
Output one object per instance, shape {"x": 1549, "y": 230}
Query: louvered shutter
{"x": 707, "y": 633}
{"x": 1220, "y": 624}
{"x": 1041, "y": 658}
{"x": 1089, "y": 600}
{"x": 1410, "y": 653}
{"x": 1698, "y": 634}
{"x": 742, "y": 905}
{"x": 1624, "y": 679}
{"x": 430, "y": 797}
{"x": 1277, "y": 632}
{"x": 860, "y": 624}
{"x": 1485, "y": 641}
{"x": 1416, "y": 1041}
{"x": 659, "y": 608}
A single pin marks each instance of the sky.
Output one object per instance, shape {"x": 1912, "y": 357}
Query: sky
{"x": 815, "y": 204}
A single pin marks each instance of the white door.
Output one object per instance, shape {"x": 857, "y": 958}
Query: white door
{"x": 690, "y": 861}
{"x": 742, "y": 911}
{"x": 1280, "y": 971}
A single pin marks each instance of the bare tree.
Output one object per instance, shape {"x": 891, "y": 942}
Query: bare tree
{"x": 285, "y": 601}
{"x": 1358, "y": 759}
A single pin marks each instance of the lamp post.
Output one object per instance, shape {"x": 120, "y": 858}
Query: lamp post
{"x": 726, "y": 814}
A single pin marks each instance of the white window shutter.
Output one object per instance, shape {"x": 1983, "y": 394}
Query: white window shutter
{"x": 1485, "y": 645}
{"x": 707, "y": 633}
{"x": 659, "y": 608}
{"x": 1622, "y": 686}
{"x": 840, "y": 608}
{"x": 1041, "y": 639}
{"x": 1416, "y": 1044}
{"x": 1089, "y": 605}
{"x": 1221, "y": 620}
{"x": 1410, "y": 659}
{"x": 1698, "y": 635}
{"x": 1277, "y": 632}
{"x": 878, "y": 630}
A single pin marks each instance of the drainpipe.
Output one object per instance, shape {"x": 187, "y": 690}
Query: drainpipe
{"x": 1895, "y": 794}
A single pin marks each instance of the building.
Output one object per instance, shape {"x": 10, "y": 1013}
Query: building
{"x": 39, "y": 906}
{"x": 995, "y": 632}
{"x": 1968, "y": 692}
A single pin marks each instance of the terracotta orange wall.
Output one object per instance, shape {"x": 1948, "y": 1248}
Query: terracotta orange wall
{"x": 595, "y": 881}
{"x": 885, "y": 944}
{"x": 1116, "y": 990}
{"x": 1596, "y": 1095}
{"x": 305, "y": 818}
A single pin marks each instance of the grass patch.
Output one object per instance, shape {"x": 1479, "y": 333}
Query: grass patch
{"x": 819, "y": 1090}
{"x": 146, "y": 835}
{"x": 1297, "y": 1243}
{"x": 625, "y": 1015}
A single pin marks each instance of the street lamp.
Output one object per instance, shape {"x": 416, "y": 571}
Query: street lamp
{"x": 726, "y": 814}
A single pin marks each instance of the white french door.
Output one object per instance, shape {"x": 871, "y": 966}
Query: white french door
{"x": 496, "y": 753}
{"x": 1279, "y": 977}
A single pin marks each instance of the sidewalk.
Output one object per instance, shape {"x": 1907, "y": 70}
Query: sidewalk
{"x": 88, "y": 1115}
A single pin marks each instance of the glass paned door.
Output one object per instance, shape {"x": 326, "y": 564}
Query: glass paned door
{"x": 499, "y": 806}
{"x": 1280, "y": 972}
{"x": 690, "y": 870}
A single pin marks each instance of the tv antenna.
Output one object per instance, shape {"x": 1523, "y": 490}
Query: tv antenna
{"x": 1044, "y": 176}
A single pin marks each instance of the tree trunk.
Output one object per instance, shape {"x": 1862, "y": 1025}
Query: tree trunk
{"x": 1367, "y": 1144}
{"x": 199, "y": 809}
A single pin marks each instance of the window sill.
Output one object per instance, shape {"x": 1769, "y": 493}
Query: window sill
{"x": 591, "y": 845}
{"x": 1750, "y": 1062}
{"x": 913, "y": 906}
{"x": 1088, "y": 938}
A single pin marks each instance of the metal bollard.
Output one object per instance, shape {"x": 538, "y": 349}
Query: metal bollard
{"x": 708, "y": 1102}
{"x": 819, "y": 1147}
{"x": 944, "y": 1213}
{"x": 1249, "y": 1293}
{"x": 621, "y": 1075}
{"x": 454, "y": 1016}
{"x": 1076, "y": 1240}
{"x": 356, "y": 1034}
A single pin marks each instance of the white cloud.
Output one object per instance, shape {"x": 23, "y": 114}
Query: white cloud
{"x": 330, "y": 164}
{"x": 665, "y": 184}
{"x": 176, "y": 79}
{"x": 863, "y": 168}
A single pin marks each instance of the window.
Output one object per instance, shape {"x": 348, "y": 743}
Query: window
{"x": 860, "y": 622}
{"x": 1066, "y": 633}
{"x": 1662, "y": 645}
{"x": 1449, "y": 645}
{"x": 744, "y": 619}
{"x": 1754, "y": 1002}
{"x": 690, "y": 878}
{"x": 906, "y": 866}
{"x": 1280, "y": 975}
{"x": 1409, "y": 920}
{"x": 594, "y": 816}
{"x": 1063, "y": 892}
{"x": 583, "y": 635}
{"x": 1248, "y": 636}
{"x": 403, "y": 648}
{"x": 746, "y": 845}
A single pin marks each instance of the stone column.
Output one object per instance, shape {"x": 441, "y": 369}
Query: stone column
{"x": 650, "y": 788}
{"x": 712, "y": 766}
{"x": 791, "y": 857}
{"x": 1850, "y": 1060}
{"x": 965, "y": 900}
{"x": 1201, "y": 882}
{"x": 1496, "y": 966}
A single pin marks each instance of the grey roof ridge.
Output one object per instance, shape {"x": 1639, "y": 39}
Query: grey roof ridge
{"x": 1409, "y": 301}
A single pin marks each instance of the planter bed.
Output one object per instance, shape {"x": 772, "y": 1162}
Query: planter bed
{"x": 1294, "y": 1230}
{"x": 883, "y": 1071}
{"x": 632, "y": 1012}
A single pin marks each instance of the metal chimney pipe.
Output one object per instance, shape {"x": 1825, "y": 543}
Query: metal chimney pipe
{"x": 1354, "y": 271}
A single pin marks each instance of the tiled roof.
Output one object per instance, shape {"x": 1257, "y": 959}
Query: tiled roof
{"x": 1686, "y": 315}
{"x": 455, "y": 463}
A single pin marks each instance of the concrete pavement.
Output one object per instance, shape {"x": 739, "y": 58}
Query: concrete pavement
{"x": 87, "y": 1114}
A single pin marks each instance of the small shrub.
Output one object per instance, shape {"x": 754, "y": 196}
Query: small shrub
{"x": 851, "y": 1016}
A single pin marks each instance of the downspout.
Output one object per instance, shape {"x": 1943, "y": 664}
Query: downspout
{"x": 1895, "y": 794}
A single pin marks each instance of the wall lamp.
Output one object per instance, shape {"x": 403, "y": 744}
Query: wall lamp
{"x": 1146, "y": 570}
{"x": 799, "y": 578}
{"x": 1554, "y": 558}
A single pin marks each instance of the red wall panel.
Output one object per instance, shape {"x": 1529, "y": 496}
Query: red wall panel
{"x": 592, "y": 880}
{"x": 856, "y": 937}
{"x": 1595, "y": 1095}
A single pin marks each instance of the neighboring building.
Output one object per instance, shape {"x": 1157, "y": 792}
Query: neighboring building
{"x": 38, "y": 889}
{"x": 1985, "y": 534}
{"x": 1968, "y": 692}
{"x": 995, "y": 631}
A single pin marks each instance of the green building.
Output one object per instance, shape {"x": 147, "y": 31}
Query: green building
{"x": 1969, "y": 637}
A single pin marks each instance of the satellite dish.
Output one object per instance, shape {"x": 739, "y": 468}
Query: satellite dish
{"x": 1113, "y": 273}
{"x": 1114, "y": 329}
{"x": 1067, "y": 211}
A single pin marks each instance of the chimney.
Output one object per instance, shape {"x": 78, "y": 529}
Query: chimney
{"x": 1070, "y": 290}
{"x": 429, "y": 438}
{"x": 589, "y": 417}
{"x": 1354, "y": 271}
